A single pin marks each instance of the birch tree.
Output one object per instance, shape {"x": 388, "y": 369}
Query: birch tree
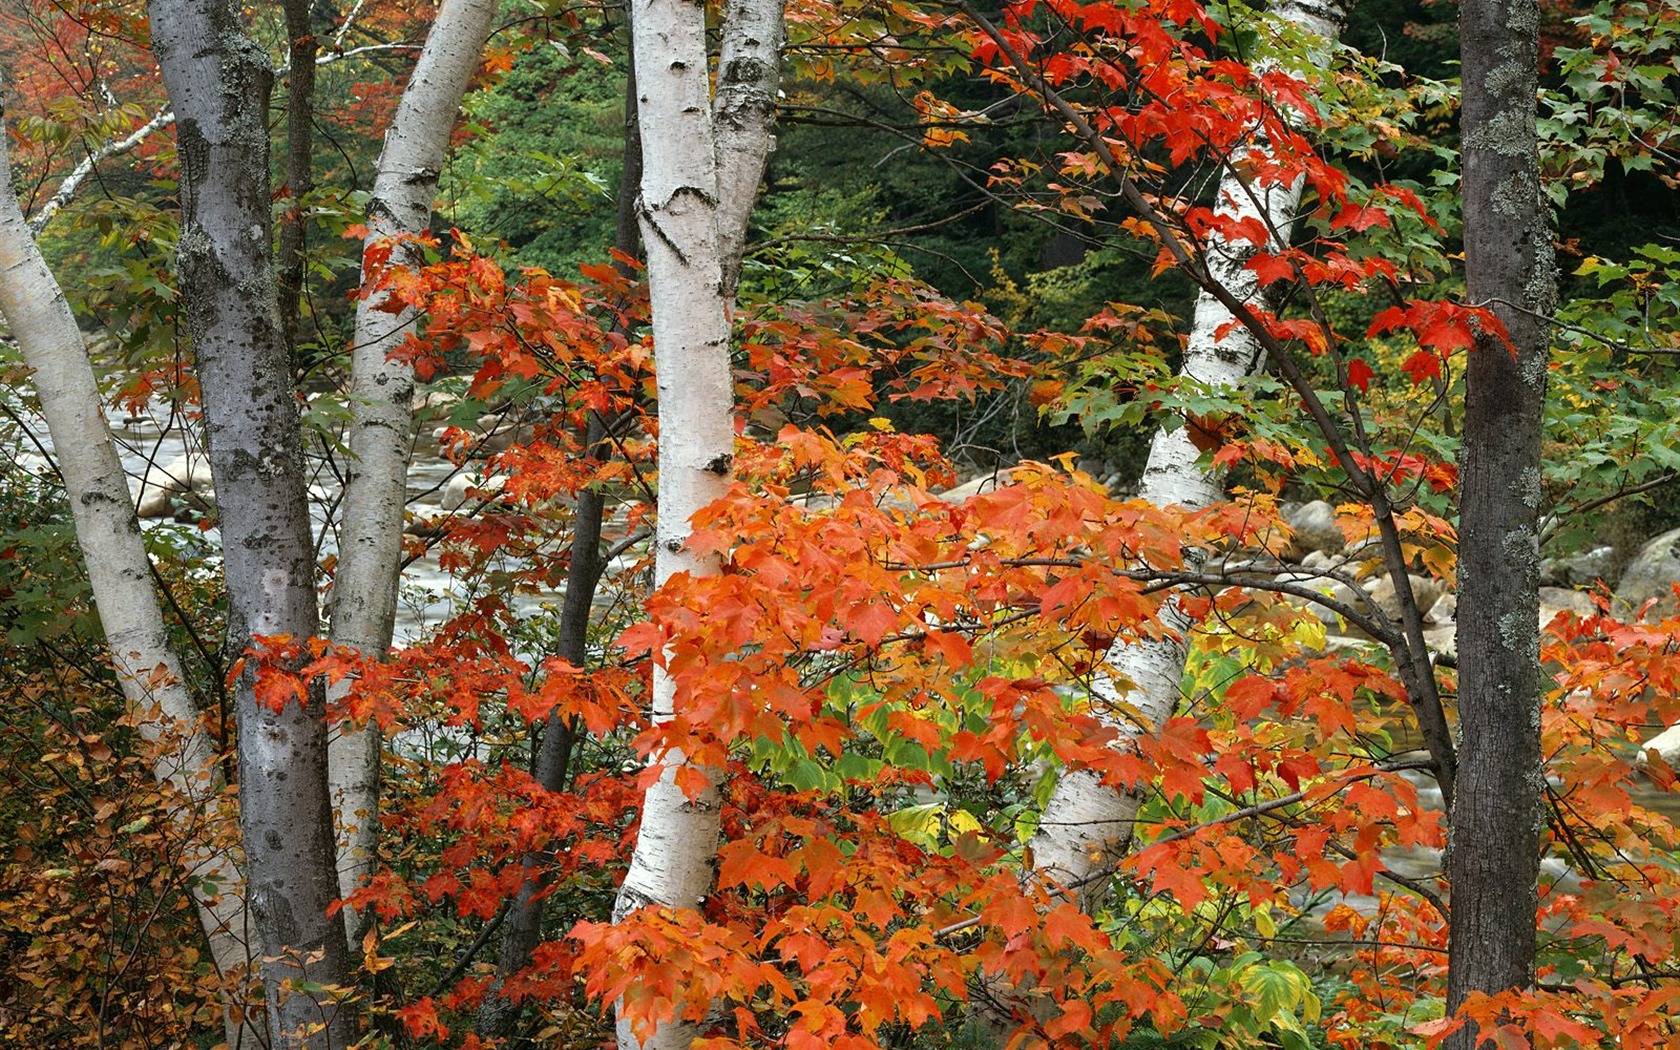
{"x": 381, "y": 406}
{"x": 1086, "y": 825}
{"x": 219, "y": 81}
{"x": 1496, "y": 818}
{"x": 119, "y": 573}
{"x": 703, "y": 157}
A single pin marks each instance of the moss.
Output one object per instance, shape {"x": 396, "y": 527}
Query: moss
{"x": 1509, "y": 133}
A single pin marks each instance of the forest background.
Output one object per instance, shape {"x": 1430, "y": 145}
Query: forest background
{"x": 1064, "y": 652}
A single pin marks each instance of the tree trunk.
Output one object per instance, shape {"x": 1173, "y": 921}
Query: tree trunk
{"x": 364, "y": 604}
{"x": 1085, "y": 827}
{"x": 744, "y": 119}
{"x": 299, "y": 167}
{"x": 119, "y": 573}
{"x": 218, "y": 81}
{"x": 690, "y": 219}
{"x": 1496, "y": 820}
{"x": 523, "y": 929}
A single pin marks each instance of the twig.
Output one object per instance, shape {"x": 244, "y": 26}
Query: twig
{"x": 68, "y": 188}
{"x": 1553, "y": 521}
{"x": 448, "y": 980}
{"x": 112, "y": 148}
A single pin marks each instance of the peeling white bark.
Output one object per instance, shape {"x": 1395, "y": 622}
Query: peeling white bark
{"x": 700, "y": 175}
{"x": 381, "y": 410}
{"x": 679, "y": 218}
{"x": 108, "y": 532}
{"x": 1086, "y": 826}
{"x": 744, "y": 115}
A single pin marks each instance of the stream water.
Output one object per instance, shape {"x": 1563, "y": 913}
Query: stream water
{"x": 151, "y": 445}
{"x": 430, "y": 594}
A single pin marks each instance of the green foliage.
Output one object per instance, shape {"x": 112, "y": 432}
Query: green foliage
{"x": 1615, "y": 368}
{"x": 542, "y": 172}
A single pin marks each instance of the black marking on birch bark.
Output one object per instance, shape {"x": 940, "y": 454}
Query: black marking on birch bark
{"x": 659, "y": 231}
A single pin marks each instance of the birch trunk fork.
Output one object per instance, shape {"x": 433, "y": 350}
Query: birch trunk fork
{"x": 702, "y": 160}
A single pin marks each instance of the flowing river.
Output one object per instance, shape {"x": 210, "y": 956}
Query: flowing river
{"x": 148, "y": 445}
{"x": 156, "y": 448}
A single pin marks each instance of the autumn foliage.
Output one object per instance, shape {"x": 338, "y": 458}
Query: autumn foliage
{"x": 893, "y": 676}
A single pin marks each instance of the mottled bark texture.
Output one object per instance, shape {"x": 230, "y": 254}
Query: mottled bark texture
{"x": 701, "y": 162}
{"x": 219, "y": 82}
{"x": 364, "y": 596}
{"x": 1496, "y": 820}
{"x": 184, "y": 755}
{"x": 1085, "y": 826}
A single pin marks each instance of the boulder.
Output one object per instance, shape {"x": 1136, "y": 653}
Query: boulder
{"x": 433, "y": 404}
{"x": 1315, "y": 529}
{"x": 492, "y": 432}
{"x": 468, "y": 485}
{"x": 1578, "y": 570}
{"x": 1667, "y": 746}
{"x": 164, "y": 482}
{"x": 1335, "y": 590}
{"x": 1651, "y": 574}
{"x": 1425, "y": 591}
{"x": 1554, "y": 600}
{"x": 972, "y": 487}
{"x": 1320, "y": 560}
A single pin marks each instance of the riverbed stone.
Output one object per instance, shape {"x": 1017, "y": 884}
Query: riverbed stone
{"x": 1315, "y": 529}
{"x": 1554, "y": 600}
{"x": 1578, "y": 570}
{"x": 1652, "y": 573}
{"x": 972, "y": 487}
{"x": 1425, "y": 591}
{"x": 165, "y": 482}
{"x": 455, "y": 494}
{"x": 1667, "y": 746}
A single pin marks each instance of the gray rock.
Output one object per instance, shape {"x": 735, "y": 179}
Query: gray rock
{"x": 493, "y": 432}
{"x": 973, "y": 487}
{"x": 1315, "y": 529}
{"x": 1578, "y": 570}
{"x": 1651, "y": 574}
{"x": 1554, "y": 600}
{"x": 456, "y": 493}
{"x": 164, "y": 482}
{"x": 1318, "y": 560}
{"x": 1667, "y": 746}
{"x": 1425, "y": 591}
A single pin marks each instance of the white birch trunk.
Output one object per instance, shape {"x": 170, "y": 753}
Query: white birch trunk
{"x": 1086, "y": 826}
{"x": 693, "y": 226}
{"x": 381, "y": 411}
{"x": 744, "y": 116}
{"x": 108, "y": 532}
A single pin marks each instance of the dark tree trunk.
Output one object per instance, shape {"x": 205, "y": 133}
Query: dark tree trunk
{"x": 219, "y": 82}
{"x": 1493, "y": 859}
{"x": 498, "y": 1015}
{"x": 299, "y": 171}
